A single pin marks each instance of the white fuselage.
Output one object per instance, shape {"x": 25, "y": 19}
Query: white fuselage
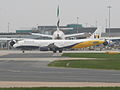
{"x": 58, "y": 43}
{"x": 58, "y": 35}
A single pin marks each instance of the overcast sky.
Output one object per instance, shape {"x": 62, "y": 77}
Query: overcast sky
{"x": 30, "y": 13}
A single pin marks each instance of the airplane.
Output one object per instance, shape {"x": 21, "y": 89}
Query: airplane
{"x": 58, "y": 34}
{"x": 55, "y": 45}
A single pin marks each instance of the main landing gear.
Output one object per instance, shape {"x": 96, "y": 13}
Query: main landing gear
{"x": 60, "y": 51}
{"x": 23, "y": 51}
{"x": 54, "y": 51}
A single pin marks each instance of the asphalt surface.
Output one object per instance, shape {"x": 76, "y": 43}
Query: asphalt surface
{"x": 31, "y": 55}
{"x": 13, "y": 70}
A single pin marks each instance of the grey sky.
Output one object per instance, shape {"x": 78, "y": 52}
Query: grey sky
{"x": 30, "y": 13}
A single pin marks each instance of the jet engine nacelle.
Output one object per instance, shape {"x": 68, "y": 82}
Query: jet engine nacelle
{"x": 12, "y": 42}
{"x": 105, "y": 43}
{"x": 111, "y": 43}
{"x": 44, "y": 49}
{"x": 58, "y": 35}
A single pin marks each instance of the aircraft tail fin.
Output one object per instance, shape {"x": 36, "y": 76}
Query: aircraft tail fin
{"x": 58, "y": 22}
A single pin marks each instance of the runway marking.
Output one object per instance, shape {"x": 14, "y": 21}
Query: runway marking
{"x": 57, "y": 54}
{"x": 42, "y": 59}
{"x": 9, "y": 70}
{"x": 116, "y": 74}
{"x": 7, "y": 84}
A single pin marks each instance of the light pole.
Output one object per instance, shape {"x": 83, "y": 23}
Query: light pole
{"x": 77, "y": 23}
{"x": 8, "y": 26}
{"x": 106, "y": 22}
{"x": 109, "y": 7}
{"x": 96, "y": 23}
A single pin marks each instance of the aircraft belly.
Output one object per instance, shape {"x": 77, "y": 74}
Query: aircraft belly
{"x": 27, "y": 47}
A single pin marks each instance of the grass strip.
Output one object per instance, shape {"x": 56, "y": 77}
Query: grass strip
{"x": 91, "y": 64}
{"x": 57, "y": 88}
{"x": 91, "y": 55}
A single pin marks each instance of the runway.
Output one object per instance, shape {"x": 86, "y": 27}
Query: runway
{"x": 36, "y": 70}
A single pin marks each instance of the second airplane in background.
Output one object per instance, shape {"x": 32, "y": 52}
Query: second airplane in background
{"x": 58, "y": 34}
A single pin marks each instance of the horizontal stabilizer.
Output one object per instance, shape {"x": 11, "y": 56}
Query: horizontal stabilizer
{"x": 42, "y": 35}
{"x": 74, "y": 35}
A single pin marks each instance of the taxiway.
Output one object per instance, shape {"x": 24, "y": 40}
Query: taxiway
{"x": 32, "y": 66}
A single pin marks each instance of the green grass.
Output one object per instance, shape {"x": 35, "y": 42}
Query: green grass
{"x": 82, "y": 88}
{"x": 91, "y": 55}
{"x": 102, "y": 61}
{"x": 93, "y": 64}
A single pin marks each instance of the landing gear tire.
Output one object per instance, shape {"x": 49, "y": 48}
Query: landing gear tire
{"x": 54, "y": 51}
{"x": 23, "y": 51}
{"x": 60, "y": 51}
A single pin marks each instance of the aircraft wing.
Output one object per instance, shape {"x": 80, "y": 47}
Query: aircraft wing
{"x": 74, "y": 35}
{"x": 8, "y": 39}
{"x": 42, "y": 35}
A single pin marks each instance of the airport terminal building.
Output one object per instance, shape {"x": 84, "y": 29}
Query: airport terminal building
{"x": 112, "y": 32}
{"x": 68, "y": 29}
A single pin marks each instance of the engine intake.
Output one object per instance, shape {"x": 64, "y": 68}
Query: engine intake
{"x": 105, "y": 43}
{"x": 12, "y": 42}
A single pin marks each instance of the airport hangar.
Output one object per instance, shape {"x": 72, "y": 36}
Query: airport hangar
{"x": 68, "y": 29}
